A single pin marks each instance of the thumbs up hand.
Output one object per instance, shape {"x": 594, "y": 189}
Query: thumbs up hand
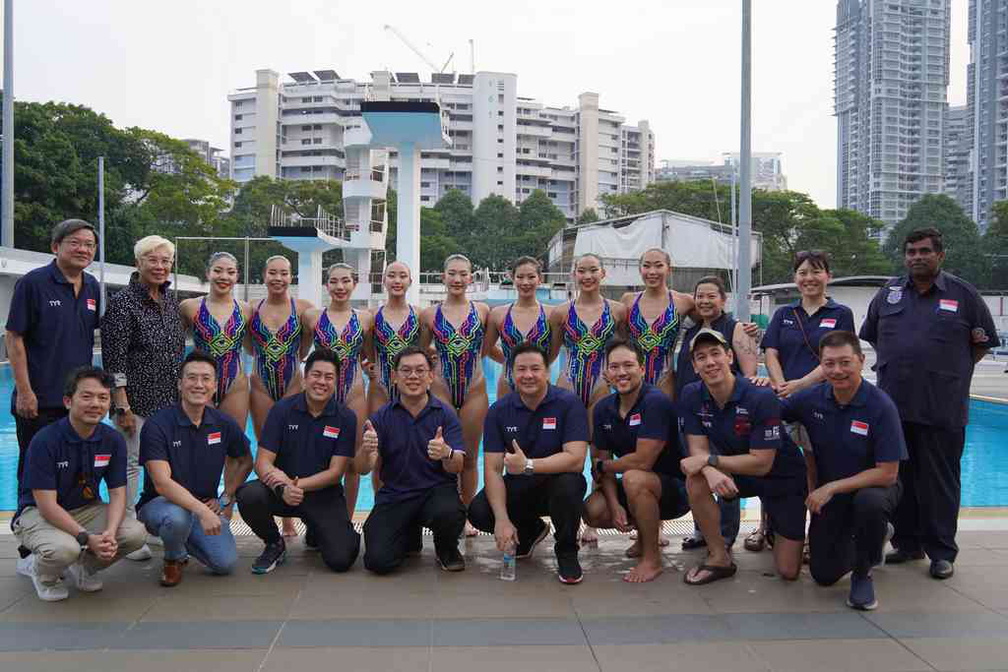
{"x": 514, "y": 462}
{"x": 438, "y": 448}
{"x": 370, "y": 369}
{"x": 369, "y": 442}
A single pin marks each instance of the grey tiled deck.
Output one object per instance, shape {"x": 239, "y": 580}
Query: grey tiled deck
{"x": 423, "y": 619}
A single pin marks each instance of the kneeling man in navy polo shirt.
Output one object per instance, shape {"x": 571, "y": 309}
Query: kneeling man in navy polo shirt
{"x": 857, "y": 446}
{"x": 538, "y": 434}
{"x": 755, "y": 458}
{"x": 306, "y": 446}
{"x": 61, "y": 518}
{"x": 416, "y": 444}
{"x": 638, "y": 426}
{"x": 184, "y": 449}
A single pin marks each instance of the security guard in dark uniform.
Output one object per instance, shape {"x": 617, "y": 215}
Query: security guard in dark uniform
{"x": 928, "y": 328}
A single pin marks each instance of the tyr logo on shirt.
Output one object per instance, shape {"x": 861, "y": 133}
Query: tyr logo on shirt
{"x": 828, "y": 323}
{"x": 549, "y": 423}
{"x": 330, "y": 432}
{"x": 858, "y": 427}
{"x": 511, "y": 429}
{"x": 787, "y": 322}
{"x": 635, "y": 420}
{"x": 771, "y": 433}
{"x": 176, "y": 444}
{"x": 213, "y": 437}
{"x": 55, "y": 303}
{"x": 950, "y": 305}
{"x": 63, "y": 464}
{"x": 91, "y": 305}
{"x": 101, "y": 460}
{"x": 818, "y": 415}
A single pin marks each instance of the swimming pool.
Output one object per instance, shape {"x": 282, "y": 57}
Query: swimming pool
{"x": 984, "y": 464}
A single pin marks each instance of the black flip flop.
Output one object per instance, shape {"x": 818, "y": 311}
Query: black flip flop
{"x": 715, "y": 573}
{"x": 689, "y": 543}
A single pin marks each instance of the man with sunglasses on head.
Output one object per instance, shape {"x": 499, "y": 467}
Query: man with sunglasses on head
{"x": 415, "y": 443}
{"x": 61, "y": 519}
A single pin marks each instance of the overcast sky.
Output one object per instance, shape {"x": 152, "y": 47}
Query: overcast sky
{"x": 168, "y": 66}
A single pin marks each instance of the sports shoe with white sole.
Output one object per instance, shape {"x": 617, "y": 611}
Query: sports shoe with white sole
{"x": 26, "y": 566}
{"x": 50, "y": 589}
{"x": 82, "y": 580}
{"x": 141, "y": 554}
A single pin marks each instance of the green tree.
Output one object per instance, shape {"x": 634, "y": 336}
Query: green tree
{"x": 995, "y": 244}
{"x": 457, "y": 213}
{"x": 495, "y": 229}
{"x": 539, "y": 220}
{"x": 588, "y": 216}
{"x": 846, "y": 235}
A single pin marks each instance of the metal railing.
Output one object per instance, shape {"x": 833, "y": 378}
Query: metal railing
{"x": 324, "y": 222}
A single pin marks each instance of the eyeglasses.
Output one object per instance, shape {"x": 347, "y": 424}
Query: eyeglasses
{"x": 81, "y": 245}
{"x": 407, "y": 371}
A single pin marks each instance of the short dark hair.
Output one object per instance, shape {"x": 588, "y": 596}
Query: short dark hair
{"x": 70, "y": 226}
{"x": 839, "y": 338}
{"x": 527, "y": 347}
{"x": 711, "y": 280}
{"x": 409, "y": 351}
{"x": 197, "y": 356}
{"x": 815, "y": 258}
{"x": 620, "y": 342}
{"x": 918, "y": 235}
{"x": 83, "y": 373}
{"x": 322, "y": 355}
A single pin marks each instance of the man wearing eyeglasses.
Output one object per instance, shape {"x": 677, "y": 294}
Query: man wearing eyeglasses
{"x": 61, "y": 520}
{"x": 416, "y": 445}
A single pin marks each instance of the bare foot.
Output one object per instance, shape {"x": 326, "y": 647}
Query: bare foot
{"x": 662, "y": 541}
{"x": 288, "y": 529}
{"x": 470, "y": 531}
{"x": 634, "y": 550}
{"x": 643, "y": 572}
{"x": 589, "y": 536}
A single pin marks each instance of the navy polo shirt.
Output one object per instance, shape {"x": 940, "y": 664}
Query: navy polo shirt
{"x": 57, "y": 328}
{"x": 725, "y": 325}
{"x": 924, "y": 346}
{"x": 402, "y": 443}
{"x": 560, "y": 418}
{"x": 846, "y": 440}
{"x": 304, "y": 444}
{"x": 751, "y": 419}
{"x": 652, "y": 416}
{"x": 195, "y": 454}
{"x": 784, "y": 334}
{"x": 59, "y": 459}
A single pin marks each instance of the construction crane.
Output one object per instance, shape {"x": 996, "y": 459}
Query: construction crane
{"x": 419, "y": 53}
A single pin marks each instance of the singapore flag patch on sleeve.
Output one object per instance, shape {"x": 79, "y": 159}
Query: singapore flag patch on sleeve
{"x": 330, "y": 432}
{"x": 549, "y": 423}
{"x": 102, "y": 460}
{"x": 91, "y": 305}
{"x": 858, "y": 427}
{"x": 212, "y": 438}
{"x": 634, "y": 420}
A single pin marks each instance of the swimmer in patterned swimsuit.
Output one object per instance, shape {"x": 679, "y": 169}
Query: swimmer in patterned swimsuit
{"x": 396, "y": 327}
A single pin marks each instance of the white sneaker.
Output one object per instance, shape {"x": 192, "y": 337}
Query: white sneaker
{"x": 141, "y": 554}
{"x": 82, "y": 580}
{"x": 26, "y": 566}
{"x": 50, "y": 589}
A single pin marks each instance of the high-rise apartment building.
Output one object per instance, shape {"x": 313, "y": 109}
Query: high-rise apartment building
{"x": 767, "y": 173}
{"x": 958, "y": 145}
{"x": 213, "y": 155}
{"x": 502, "y": 143}
{"x": 891, "y": 75}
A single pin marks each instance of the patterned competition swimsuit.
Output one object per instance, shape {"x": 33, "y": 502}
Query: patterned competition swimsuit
{"x": 657, "y": 340}
{"x": 459, "y": 351}
{"x": 511, "y": 337}
{"x": 224, "y": 345}
{"x": 346, "y": 345}
{"x": 390, "y": 342}
{"x": 584, "y": 350}
{"x": 276, "y": 353}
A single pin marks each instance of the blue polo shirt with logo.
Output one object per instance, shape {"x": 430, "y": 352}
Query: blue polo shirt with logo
{"x": 60, "y": 459}
{"x": 795, "y": 334}
{"x": 652, "y": 416}
{"x": 750, "y": 419}
{"x": 402, "y": 443}
{"x": 558, "y": 419}
{"x": 924, "y": 346}
{"x": 195, "y": 454}
{"x": 304, "y": 445}
{"x": 57, "y": 328}
{"x": 847, "y": 439}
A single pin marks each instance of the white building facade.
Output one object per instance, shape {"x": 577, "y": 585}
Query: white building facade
{"x": 502, "y": 143}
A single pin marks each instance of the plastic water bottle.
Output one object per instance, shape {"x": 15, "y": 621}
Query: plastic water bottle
{"x": 508, "y": 565}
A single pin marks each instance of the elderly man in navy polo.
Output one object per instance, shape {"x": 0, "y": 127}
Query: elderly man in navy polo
{"x": 306, "y": 446}
{"x": 415, "y": 443}
{"x": 61, "y": 518}
{"x": 636, "y": 427}
{"x": 538, "y": 434}
{"x": 756, "y": 459}
{"x": 853, "y": 465}
{"x": 929, "y": 328}
{"x": 184, "y": 449}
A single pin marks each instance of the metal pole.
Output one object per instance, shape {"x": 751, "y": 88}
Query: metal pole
{"x": 246, "y": 269}
{"x": 7, "y": 211}
{"x": 734, "y": 231}
{"x": 745, "y": 158}
{"x": 101, "y": 231}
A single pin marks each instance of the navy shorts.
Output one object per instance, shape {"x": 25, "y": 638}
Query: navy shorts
{"x": 783, "y": 499}
{"x": 673, "y": 503}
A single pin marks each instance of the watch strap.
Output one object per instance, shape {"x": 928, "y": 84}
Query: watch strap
{"x": 82, "y": 538}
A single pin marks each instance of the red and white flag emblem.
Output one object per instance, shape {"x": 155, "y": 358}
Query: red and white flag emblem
{"x": 91, "y": 305}
{"x": 549, "y": 423}
{"x": 827, "y": 323}
{"x": 950, "y": 305}
{"x": 330, "y": 432}
{"x": 859, "y": 427}
{"x": 634, "y": 420}
{"x": 101, "y": 460}
{"x": 212, "y": 438}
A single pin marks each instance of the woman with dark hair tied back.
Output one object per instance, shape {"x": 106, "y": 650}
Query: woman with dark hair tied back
{"x": 396, "y": 327}
{"x": 219, "y": 326}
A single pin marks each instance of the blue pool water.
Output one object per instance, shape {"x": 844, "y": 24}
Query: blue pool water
{"x": 984, "y": 464}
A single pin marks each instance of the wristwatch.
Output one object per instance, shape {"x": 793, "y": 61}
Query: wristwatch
{"x": 529, "y": 469}
{"x": 225, "y": 500}
{"x": 600, "y": 467}
{"x": 82, "y": 538}
{"x": 278, "y": 489}
{"x": 122, "y": 410}
{"x": 712, "y": 460}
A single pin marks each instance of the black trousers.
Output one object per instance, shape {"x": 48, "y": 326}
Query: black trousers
{"x": 928, "y": 514}
{"x": 27, "y": 428}
{"x": 391, "y": 527}
{"x": 323, "y": 510}
{"x": 849, "y": 532}
{"x": 560, "y": 496}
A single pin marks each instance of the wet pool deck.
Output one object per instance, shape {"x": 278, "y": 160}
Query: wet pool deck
{"x": 424, "y": 619}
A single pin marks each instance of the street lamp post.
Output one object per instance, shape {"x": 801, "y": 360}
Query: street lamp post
{"x": 745, "y": 171}
{"x": 7, "y": 185}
